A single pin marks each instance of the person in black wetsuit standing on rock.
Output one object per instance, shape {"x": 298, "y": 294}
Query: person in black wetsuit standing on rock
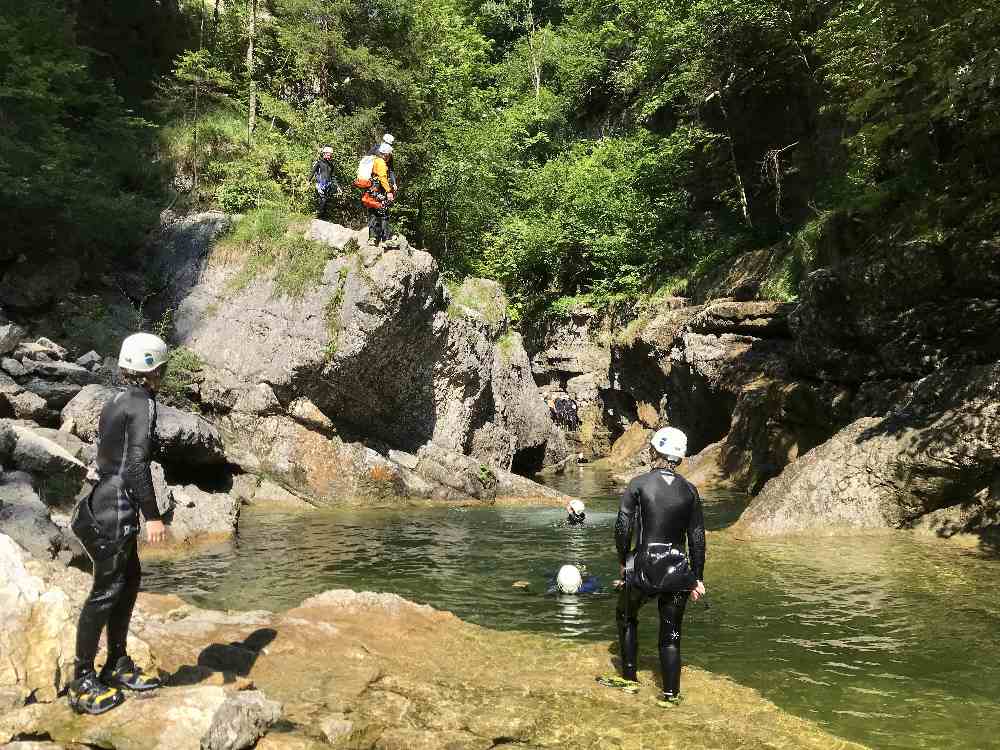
{"x": 107, "y": 523}
{"x": 660, "y": 510}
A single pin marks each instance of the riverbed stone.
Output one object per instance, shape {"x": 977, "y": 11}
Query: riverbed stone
{"x": 11, "y": 334}
{"x": 27, "y": 520}
{"x": 13, "y": 368}
{"x": 240, "y": 721}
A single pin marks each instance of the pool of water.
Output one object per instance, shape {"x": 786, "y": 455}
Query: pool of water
{"x": 888, "y": 640}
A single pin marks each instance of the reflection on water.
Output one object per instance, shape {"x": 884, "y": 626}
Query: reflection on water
{"x": 889, "y": 640}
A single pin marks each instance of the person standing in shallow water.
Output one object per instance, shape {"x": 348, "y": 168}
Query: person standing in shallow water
{"x": 107, "y": 524}
{"x": 659, "y": 509}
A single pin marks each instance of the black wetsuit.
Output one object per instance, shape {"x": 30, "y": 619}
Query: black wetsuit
{"x": 660, "y": 506}
{"x": 126, "y": 435}
{"x": 326, "y": 183}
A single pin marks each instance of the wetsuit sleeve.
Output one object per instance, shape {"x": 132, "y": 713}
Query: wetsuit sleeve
{"x": 314, "y": 170}
{"x": 625, "y": 521}
{"x": 136, "y": 472}
{"x": 696, "y": 537}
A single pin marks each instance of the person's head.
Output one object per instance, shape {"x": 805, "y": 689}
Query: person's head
{"x": 385, "y": 151}
{"x": 327, "y": 152}
{"x": 143, "y": 360}
{"x": 388, "y": 139}
{"x": 569, "y": 580}
{"x": 577, "y": 511}
{"x": 668, "y": 447}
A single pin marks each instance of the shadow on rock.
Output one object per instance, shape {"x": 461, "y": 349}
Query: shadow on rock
{"x": 232, "y": 660}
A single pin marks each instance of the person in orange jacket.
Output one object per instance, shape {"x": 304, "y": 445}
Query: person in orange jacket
{"x": 379, "y": 197}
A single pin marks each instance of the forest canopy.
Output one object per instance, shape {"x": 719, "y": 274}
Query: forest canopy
{"x": 562, "y": 147}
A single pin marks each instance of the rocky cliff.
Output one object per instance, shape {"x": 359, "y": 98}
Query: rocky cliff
{"x": 868, "y": 402}
{"x": 375, "y": 381}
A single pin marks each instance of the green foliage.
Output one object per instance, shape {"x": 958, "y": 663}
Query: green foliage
{"x": 271, "y": 242}
{"x": 74, "y": 178}
{"x": 183, "y": 371}
{"x": 479, "y": 296}
{"x": 331, "y": 313}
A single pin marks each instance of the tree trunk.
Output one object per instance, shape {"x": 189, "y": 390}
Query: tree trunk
{"x": 215, "y": 24}
{"x": 252, "y": 117}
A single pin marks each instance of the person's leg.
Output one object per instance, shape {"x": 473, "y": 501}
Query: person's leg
{"x": 321, "y": 201}
{"x": 671, "y": 615}
{"x": 109, "y": 583}
{"x": 627, "y": 619}
{"x": 121, "y": 614}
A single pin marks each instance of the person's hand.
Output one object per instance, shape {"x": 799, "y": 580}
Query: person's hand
{"x": 698, "y": 591}
{"x": 391, "y": 197}
{"x": 156, "y": 532}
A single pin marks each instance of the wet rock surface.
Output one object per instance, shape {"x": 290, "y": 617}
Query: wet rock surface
{"x": 335, "y": 666}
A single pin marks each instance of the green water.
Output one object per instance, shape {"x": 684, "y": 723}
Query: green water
{"x": 891, "y": 641}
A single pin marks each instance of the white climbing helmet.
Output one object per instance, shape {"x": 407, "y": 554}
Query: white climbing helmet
{"x": 327, "y": 149}
{"x": 388, "y": 139}
{"x": 670, "y": 442}
{"x": 577, "y": 507}
{"x": 569, "y": 580}
{"x": 142, "y": 352}
{"x": 385, "y": 149}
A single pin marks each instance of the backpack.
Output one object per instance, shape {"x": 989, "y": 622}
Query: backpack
{"x": 364, "y": 178}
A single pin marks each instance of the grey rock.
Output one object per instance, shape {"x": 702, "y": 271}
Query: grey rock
{"x": 83, "y": 452}
{"x": 243, "y": 719}
{"x": 935, "y": 452}
{"x": 65, "y": 372}
{"x": 53, "y": 348}
{"x": 13, "y": 368}
{"x": 188, "y": 438}
{"x": 183, "y": 437}
{"x": 25, "y": 405}
{"x": 196, "y": 513}
{"x": 30, "y": 284}
{"x": 331, "y": 234}
{"x": 11, "y": 335}
{"x": 26, "y": 520}
{"x": 60, "y": 474}
{"x": 90, "y": 360}
{"x": 393, "y": 357}
{"x": 761, "y": 319}
{"x": 55, "y": 394}
{"x": 8, "y": 440}
{"x": 306, "y": 412}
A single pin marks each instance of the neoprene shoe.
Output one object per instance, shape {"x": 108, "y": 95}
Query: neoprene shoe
{"x": 127, "y": 675}
{"x": 88, "y": 695}
{"x": 668, "y": 700}
{"x": 619, "y": 683}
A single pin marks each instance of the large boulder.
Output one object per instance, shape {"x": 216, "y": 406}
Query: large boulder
{"x": 60, "y": 475}
{"x": 393, "y": 355}
{"x": 937, "y": 451}
{"x": 183, "y": 438}
{"x": 27, "y": 520}
{"x": 38, "y": 627}
{"x": 196, "y": 515}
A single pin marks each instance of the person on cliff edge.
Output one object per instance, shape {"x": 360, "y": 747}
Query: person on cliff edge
{"x": 325, "y": 181}
{"x": 107, "y": 524}
{"x": 659, "y": 509}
